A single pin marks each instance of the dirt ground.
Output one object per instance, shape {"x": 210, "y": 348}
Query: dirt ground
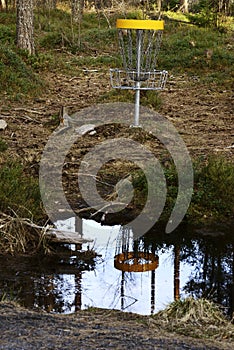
{"x": 94, "y": 329}
{"x": 202, "y": 115}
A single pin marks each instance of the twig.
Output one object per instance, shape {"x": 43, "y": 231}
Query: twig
{"x": 73, "y": 78}
{"x": 90, "y": 70}
{"x": 28, "y": 110}
{"x": 24, "y": 117}
{"x": 107, "y": 206}
{"x": 95, "y": 177}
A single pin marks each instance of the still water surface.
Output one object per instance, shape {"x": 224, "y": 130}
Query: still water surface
{"x": 188, "y": 265}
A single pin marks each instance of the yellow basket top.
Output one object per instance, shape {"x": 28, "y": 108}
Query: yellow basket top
{"x": 140, "y": 24}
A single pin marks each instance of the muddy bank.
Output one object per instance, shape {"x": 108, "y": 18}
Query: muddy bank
{"x": 90, "y": 329}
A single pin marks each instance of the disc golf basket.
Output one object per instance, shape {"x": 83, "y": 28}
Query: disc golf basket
{"x": 139, "y": 42}
{"x": 132, "y": 256}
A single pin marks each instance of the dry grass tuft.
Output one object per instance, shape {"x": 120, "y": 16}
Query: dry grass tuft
{"x": 20, "y": 236}
{"x": 195, "y": 317}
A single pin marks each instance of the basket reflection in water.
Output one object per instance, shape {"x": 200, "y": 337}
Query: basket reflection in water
{"x": 132, "y": 256}
{"x": 136, "y": 262}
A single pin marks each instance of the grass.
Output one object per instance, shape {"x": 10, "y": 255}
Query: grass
{"x": 19, "y": 193}
{"x": 17, "y": 77}
{"x": 18, "y": 236}
{"x": 94, "y": 35}
{"x": 149, "y": 98}
{"x": 201, "y": 17}
{"x": 213, "y": 197}
{"x": 58, "y": 40}
{"x": 20, "y": 208}
{"x": 198, "y": 51}
{"x": 3, "y": 145}
{"x": 198, "y": 318}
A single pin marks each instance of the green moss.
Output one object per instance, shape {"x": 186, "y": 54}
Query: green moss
{"x": 213, "y": 190}
{"x": 16, "y": 76}
{"x": 213, "y": 197}
{"x": 3, "y": 145}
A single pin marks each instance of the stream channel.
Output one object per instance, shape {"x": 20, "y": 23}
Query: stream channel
{"x": 197, "y": 262}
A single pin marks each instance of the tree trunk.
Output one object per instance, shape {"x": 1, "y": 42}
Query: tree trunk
{"x": 176, "y": 272}
{"x": 159, "y": 5}
{"x": 8, "y": 4}
{"x": 50, "y": 4}
{"x": 24, "y": 25}
{"x": 184, "y": 6}
{"x": 3, "y": 5}
{"x": 47, "y": 4}
{"x": 77, "y": 7}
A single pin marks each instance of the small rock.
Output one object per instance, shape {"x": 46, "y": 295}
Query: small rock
{"x": 82, "y": 130}
{"x": 3, "y": 124}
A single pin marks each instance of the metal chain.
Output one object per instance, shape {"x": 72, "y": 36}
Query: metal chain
{"x": 122, "y": 47}
{"x": 150, "y": 41}
{"x": 130, "y": 33}
{"x": 149, "y": 50}
{"x": 157, "y": 47}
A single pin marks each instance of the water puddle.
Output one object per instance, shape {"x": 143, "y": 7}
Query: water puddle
{"x": 171, "y": 266}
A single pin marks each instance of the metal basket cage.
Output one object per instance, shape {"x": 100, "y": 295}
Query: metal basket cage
{"x": 126, "y": 79}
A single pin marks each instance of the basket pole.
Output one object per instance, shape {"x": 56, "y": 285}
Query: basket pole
{"x": 138, "y": 82}
{"x": 137, "y": 105}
